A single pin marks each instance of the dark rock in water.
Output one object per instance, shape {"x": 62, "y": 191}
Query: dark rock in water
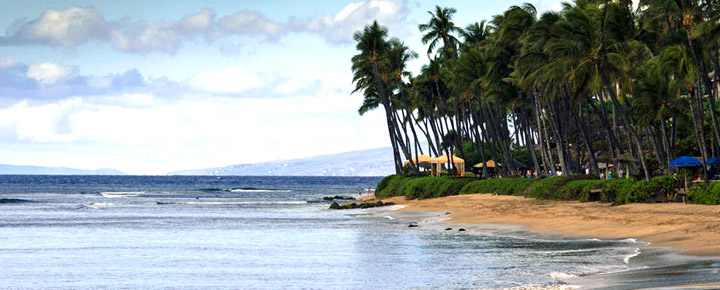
{"x": 389, "y": 203}
{"x": 337, "y": 197}
{"x": 14, "y": 200}
{"x": 461, "y": 230}
{"x": 448, "y": 213}
{"x": 353, "y": 205}
{"x": 448, "y": 229}
{"x": 412, "y": 226}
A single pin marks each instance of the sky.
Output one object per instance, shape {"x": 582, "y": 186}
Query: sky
{"x": 150, "y": 87}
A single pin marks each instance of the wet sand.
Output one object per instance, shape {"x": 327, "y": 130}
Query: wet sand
{"x": 692, "y": 229}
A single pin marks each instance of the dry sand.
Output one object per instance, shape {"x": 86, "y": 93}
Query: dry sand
{"x": 694, "y": 229}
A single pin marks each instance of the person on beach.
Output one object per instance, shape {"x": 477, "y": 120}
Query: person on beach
{"x": 369, "y": 189}
{"x": 359, "y": 190}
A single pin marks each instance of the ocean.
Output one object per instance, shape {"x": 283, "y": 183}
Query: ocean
{"x": 168, "y": 232}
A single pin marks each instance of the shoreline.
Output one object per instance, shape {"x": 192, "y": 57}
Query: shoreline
{"x": 691, "y": 229}
{"x": 679, "y": 233}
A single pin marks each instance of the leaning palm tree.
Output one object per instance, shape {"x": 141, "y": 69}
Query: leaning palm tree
{"x": 589, "y": 50}
{"x": 369, "y": 67}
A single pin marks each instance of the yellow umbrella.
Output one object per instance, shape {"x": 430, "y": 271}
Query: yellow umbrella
{"x": 490, "y": 163}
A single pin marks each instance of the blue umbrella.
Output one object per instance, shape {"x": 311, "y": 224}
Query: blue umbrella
{"x": 713, "y": 161}
{"x": 685, "y": 161}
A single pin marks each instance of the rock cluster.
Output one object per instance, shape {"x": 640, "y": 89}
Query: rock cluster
{"x": 353, "y": 205}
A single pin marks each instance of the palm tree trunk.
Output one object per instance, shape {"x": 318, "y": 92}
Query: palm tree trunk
{"x": 588, "y": 142}
{"x": 628, "y": 125}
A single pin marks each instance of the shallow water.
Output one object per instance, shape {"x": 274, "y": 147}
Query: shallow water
{"x": 87, "y": 232}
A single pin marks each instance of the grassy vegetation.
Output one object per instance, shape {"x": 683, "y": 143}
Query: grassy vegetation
{"x": 575, "y": 187}
{"x": 705, "y": 194}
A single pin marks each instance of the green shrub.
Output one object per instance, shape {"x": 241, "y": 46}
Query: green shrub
{"x": 451, "y": 187}
{"x": 421, "y": 187}
{"x": 577, "y": 190}
{"x": 469, "y": 174}
{"x": 505, "y": 186}
{"x": 705, "y": 194}
{"x": 388, "y": 186}
{"x": 615, "y": 187}
{"x": 545, "y": 188}
{"x": 657, "y": 190}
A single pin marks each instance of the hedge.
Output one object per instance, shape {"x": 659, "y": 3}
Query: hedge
{"x": 574, "y": 187}
{"x": 705, "y": 194}
{"x": 505, "y": 186}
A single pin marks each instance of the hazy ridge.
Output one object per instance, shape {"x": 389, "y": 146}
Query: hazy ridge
{"x": 372, "y": 162}
{"x": 40, "y": 170}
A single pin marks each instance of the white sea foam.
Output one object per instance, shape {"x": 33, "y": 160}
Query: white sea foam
{"x": 633, "y": 255}
{"x": 258, "y": 190}
{"x": 568, "y": 251}
{"x": 118, "y": 194}
{"x": 538, "y": 287}
{"x": 559, "y": 276}
{"x": 106, "y": 204}
{"x": 235, "y": 202}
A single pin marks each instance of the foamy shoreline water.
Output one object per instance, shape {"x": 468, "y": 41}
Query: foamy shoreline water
{"x": 645, "y": 259}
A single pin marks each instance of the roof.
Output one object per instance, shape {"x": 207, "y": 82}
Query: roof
{"x": 422, "y": 159}
{"x": 444, "y": 159}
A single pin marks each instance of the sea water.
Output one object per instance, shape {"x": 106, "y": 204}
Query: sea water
{"x": 145, "y": 232}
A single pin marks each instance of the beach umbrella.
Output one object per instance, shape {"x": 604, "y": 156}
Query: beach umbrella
{"x": 490, "y": 163}
{"x": 685, "y": 161}
{"x": 713, "y": 161}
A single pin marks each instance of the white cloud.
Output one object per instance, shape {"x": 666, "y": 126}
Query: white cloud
{"x": 199, "y": 132}
{"x": 547, "y": 6}
{"x": 142, "y": 37}
{"x": 41, "y": 123}
{"x": 353, "y": 17}
{"x": 198, "y": 23}
{"x": 6, "y": 62}
{"x": 232, "y": 79}
{"x": 49, "y": 73}
{"x": 68, "y": 27}
{"x": 75, "y": 25}
{"x": 247, "y": 22}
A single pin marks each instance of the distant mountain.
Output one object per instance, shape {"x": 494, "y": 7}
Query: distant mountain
{"x": 39, "y": 170}
{"x": 373, "y": 162}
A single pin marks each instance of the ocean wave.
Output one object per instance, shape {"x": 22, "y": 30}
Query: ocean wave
{"x": 569, "y": 251}
{"x": 235, "y": 202}
{"x": 252, "y": 190}
{"x": 118, "y": 194}
{"x": 538, "y": 287}
{"x": 14, "y": 200}
{"x": 243, "y": 190}
{"x": 108, "y": 204}
{"x": 559, "y": 276}
{"x": 633, "y": 255}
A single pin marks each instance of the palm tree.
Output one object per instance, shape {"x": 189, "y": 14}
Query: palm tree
{"x": 441, "y": 28}
{"x": 368, "y": 67}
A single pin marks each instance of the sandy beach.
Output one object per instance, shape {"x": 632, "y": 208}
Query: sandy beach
{"x": 693, "y": 229}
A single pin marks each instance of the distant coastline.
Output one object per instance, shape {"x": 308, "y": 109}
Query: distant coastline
{"x": 7, "y": 169}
